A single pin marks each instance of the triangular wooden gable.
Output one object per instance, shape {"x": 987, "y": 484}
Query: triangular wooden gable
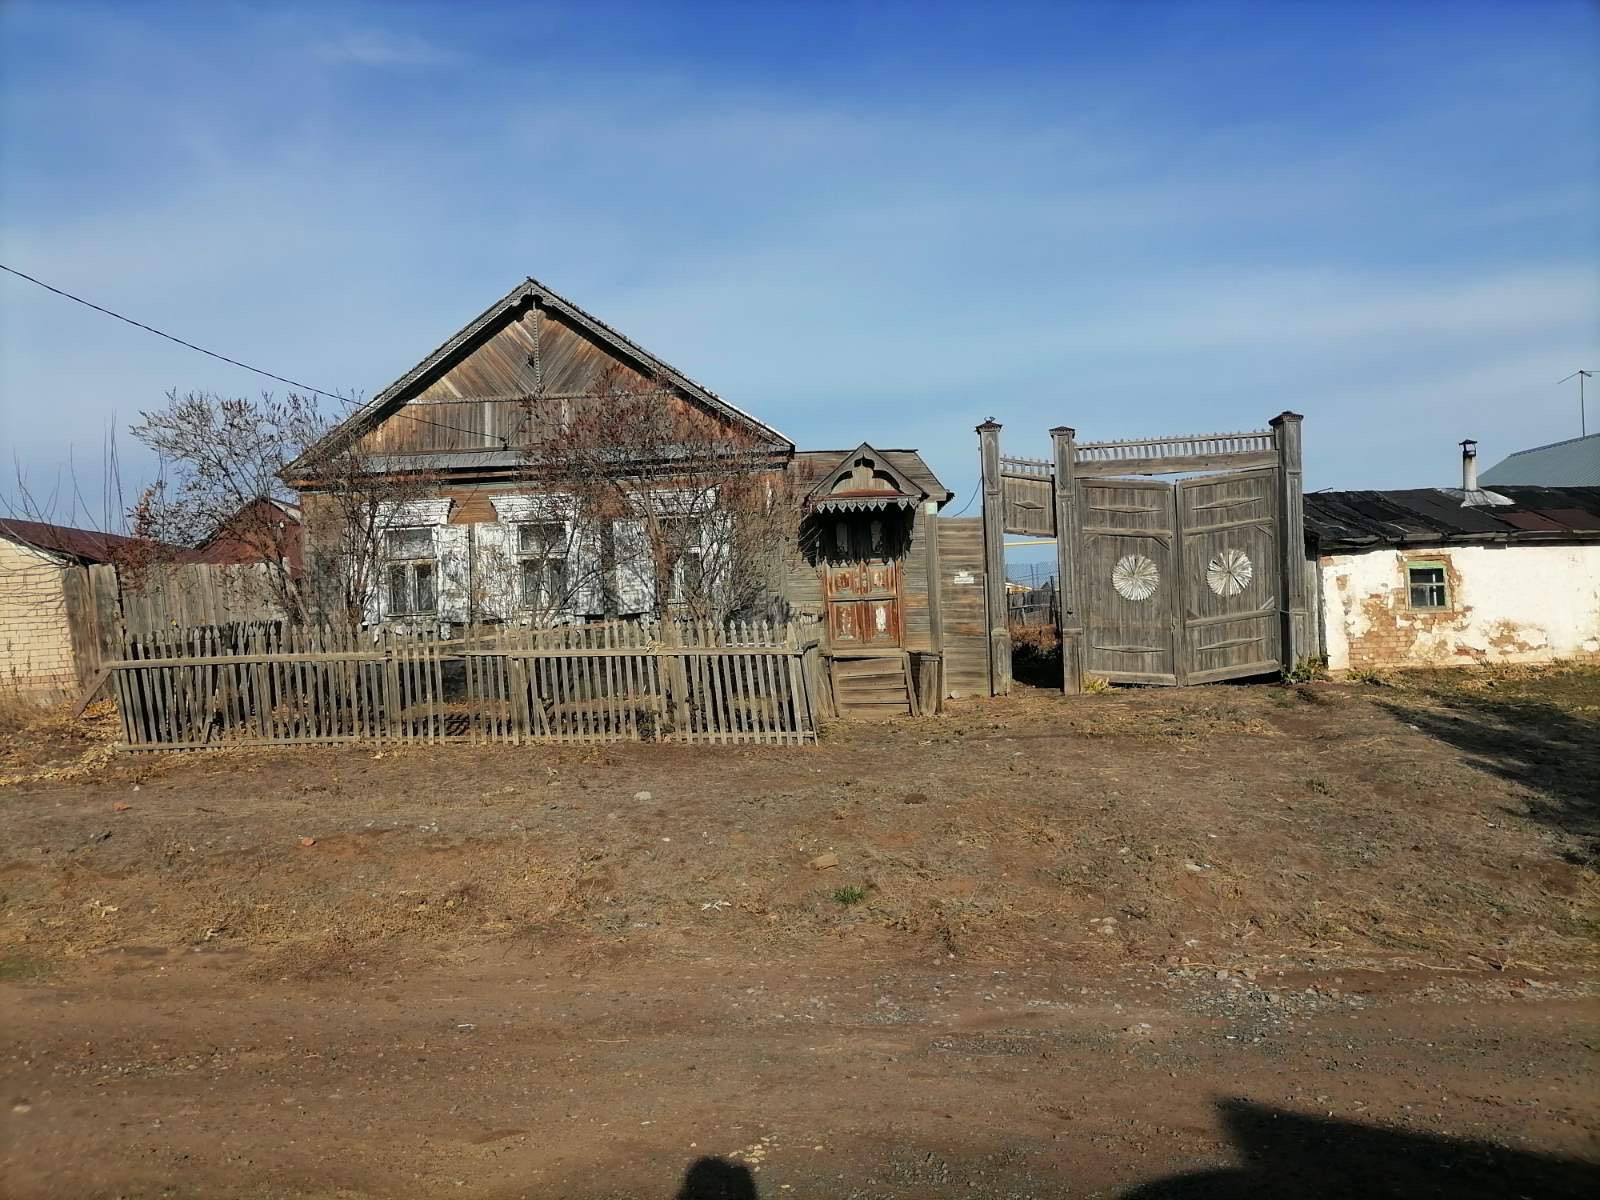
{"x": 472, "y": 393}
{"x": 863, "y": 480}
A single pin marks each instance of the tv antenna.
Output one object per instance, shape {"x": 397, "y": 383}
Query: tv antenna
{"x": 1580, "y": 376}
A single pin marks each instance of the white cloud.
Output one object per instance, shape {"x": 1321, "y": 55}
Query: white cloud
{"x": 373, "y": 48}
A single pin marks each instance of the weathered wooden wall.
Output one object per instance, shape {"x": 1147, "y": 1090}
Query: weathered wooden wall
{"x": 914, "y": 588}
{"x": 94, "y": 616}
{"x": 190, "y": 594}
{"x": 962, "y": 606}
{"x": 481, "y": 401}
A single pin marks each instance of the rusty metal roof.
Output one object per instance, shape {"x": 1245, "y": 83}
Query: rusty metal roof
{"x": 1420, "y": 516}
{"x": 83, "y": 545}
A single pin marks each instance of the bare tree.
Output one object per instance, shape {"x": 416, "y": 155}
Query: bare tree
{"x": 677, "y": 512}
{"x": 227, "y": 465}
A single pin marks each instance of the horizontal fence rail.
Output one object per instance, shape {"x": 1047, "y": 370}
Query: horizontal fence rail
{"x": 277, "y": 685}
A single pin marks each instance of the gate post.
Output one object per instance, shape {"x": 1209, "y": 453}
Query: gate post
{"x": 1069, "y": 605}
{"x": 994, "y": 559}
{"x": 1291, "y": 538}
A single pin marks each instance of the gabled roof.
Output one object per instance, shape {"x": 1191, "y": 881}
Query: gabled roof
{"x": 531, "y": 291}
{"x": 1338, "y": 521}
{"x": 914, "y": 481}
{"x": 1571, "y": 463}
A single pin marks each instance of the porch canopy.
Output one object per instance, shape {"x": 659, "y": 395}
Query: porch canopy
{"x": 862, "y": 481}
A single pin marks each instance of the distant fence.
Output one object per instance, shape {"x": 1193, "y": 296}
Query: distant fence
{"x": 173, "y": 596}
{"x": 276, "y": 685}
{"x": 1037, "y": 607}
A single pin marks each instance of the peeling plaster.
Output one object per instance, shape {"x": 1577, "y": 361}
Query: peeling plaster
{"x": 1508, "y": 603}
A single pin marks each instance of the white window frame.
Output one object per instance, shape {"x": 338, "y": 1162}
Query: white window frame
{"x": 410, "y": 564}
{"x": 558, "y": 551}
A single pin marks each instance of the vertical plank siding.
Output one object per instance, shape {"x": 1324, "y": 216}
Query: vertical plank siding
{"x": 964, "y": 616}
{"x": 748, "y": 683}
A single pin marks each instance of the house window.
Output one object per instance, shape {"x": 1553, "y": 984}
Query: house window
{"x": 409, "y": 571}
{"x": 1428, "y": 589}
{"x": 684, "y": 538}
{"x": 542, "y": 557}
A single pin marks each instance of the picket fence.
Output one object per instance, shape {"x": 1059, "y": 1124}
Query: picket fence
{"x": 274, "y": 685}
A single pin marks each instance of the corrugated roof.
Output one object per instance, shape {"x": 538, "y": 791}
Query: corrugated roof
{"x": 1420, "y": 516}
{"x": 1572, "y": 463}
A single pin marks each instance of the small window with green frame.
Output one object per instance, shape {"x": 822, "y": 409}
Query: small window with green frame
{"x": 1427, "y": 587}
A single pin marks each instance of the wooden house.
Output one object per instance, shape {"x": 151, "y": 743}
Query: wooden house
{"x": 863, "y": 569}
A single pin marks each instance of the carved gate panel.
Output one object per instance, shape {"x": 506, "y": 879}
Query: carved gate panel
{"x": 1230, "y": 576}
{"x": 1129, "y": 580}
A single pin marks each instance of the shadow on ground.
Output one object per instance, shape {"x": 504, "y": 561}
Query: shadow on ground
{"x": 1539, "y": 746}
{"x": 717, "y": 1179}
{"x": 1286, "y": 1154}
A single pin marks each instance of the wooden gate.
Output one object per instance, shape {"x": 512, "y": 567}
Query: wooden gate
{"x": 1186, "y": 582}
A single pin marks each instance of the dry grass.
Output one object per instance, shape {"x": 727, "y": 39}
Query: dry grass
{"x": 43, "y": 742}
{"x": 1214, "y": 824}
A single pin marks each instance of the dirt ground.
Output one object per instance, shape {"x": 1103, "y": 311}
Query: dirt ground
{"x": 1324, "y": 940}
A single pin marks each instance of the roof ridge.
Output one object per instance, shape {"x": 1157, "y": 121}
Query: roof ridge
{"x": 1582, "y": 437}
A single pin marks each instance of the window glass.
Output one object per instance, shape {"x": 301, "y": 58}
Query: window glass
{"x": 410, "y": 543}
{"x": 399, "y": 601}
{"x": 540, "y": 537}
{"x": 1427, "y": 585}
{"x": 555, "y": 579}
{"x": 423, "y": 573}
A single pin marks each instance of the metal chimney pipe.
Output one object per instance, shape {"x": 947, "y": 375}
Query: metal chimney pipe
{"x": 1469, "y": 465}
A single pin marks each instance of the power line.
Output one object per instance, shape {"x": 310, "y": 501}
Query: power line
{"x": 305, "y": 387}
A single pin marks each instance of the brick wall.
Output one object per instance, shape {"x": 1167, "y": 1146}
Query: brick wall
{"x": 35, "y": 643}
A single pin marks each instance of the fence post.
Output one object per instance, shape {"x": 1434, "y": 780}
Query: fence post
{"x": 1291, "y": 538}
{"x": 1069, "y": 607}
{"x": 935, "y": 599}
{"x": 994, "y": 558}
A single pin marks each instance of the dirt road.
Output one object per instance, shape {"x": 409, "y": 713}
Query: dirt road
{"x": 1222, "y": 942}
{"x": 510, "y": 1076}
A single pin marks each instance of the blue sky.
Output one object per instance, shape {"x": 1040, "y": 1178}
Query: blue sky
{"x": 861, "y": 222}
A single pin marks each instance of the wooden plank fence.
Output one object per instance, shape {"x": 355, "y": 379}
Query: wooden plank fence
{"x": 168, "y": 597}
{"x": 274, "y": 685}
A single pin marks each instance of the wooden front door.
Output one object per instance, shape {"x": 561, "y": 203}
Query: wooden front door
{"x": 861, "y": 582}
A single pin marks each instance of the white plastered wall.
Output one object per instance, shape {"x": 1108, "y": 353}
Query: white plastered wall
{"x": 1519, "y": 602}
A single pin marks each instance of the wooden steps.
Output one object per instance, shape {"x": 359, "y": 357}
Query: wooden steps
{"x": 873, "y": 686}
